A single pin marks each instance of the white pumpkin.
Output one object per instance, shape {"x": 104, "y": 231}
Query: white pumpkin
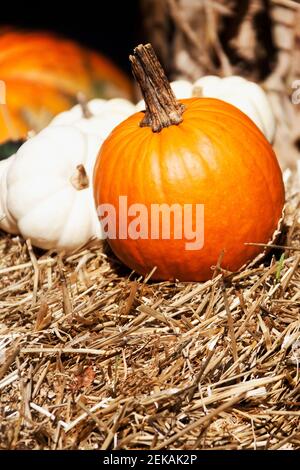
{"x": 244, "y": 94}
{"x": 96, "y": 117}
{"x": 46, "y": 188}
{"x": 6, "y": 221}
{"x": 49, "y": 189}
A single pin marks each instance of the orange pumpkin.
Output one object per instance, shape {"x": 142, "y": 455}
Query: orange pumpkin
{"x": 43, "y": 74}
{"x": 196, "y": 151}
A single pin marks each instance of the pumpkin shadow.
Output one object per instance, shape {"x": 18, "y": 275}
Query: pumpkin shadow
{"x": 276, "y": 253}
{"x": 120, "y": 269}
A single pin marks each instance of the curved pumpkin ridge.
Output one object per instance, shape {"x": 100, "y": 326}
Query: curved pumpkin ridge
{"x": 261, "y": 165}
{"x": 115, "y": 173}
{"x": 264, "y": 144}
{"x": 206, "y": 173}
{"x": 136, "y": 171}
{"x": 156, "y": 147}
{"x": 160, "y": 189}
{"x": 214, "y": 136}
{"x": 223, "y": 109}
{"x": 262, "y": 141}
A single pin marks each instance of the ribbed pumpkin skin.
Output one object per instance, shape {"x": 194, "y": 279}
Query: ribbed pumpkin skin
{"x": 43, "y": 73}
{"x": 216, "y": 157}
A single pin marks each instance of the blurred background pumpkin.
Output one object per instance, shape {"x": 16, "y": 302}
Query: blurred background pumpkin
{"x": 49, "y": 54}
{"x": 43, "y": 73}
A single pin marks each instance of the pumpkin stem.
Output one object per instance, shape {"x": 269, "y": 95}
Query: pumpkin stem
{"x": 162, "y": 108}
{"x": 82, "y": 101}
{"x": 80, "y": 179}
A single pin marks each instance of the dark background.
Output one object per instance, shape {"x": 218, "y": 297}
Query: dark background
{"x": 112, "y": 27}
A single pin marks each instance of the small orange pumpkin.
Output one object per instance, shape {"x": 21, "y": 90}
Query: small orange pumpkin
{"x": 43, "y": 74}
{"x": 196, "y": 151}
